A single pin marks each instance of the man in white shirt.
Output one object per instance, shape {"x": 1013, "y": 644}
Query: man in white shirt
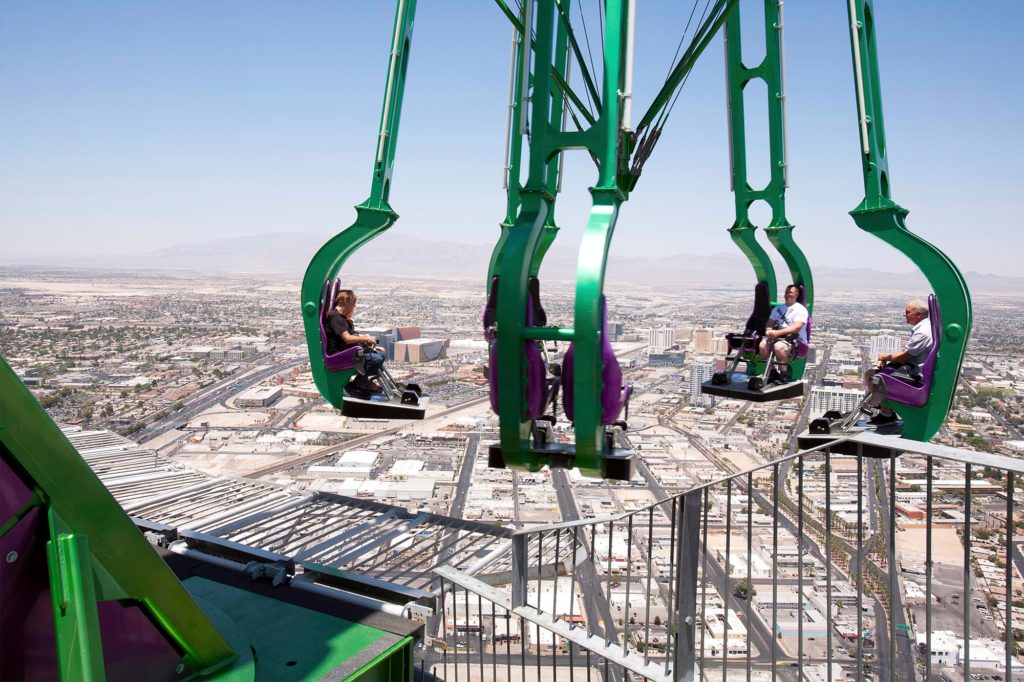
{"x": 788, "y": 328}
{"x": 910, "y": 360}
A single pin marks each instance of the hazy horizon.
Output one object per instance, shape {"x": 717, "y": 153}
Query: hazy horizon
{"x": 131, "y": 128}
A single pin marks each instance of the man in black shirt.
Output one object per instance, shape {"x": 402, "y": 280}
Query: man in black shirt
{"x": 341, "y": 334}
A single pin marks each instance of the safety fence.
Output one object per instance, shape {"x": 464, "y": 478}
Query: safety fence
{"x": 825, "y": 564}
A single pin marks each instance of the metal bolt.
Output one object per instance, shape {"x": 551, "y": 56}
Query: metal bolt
{"x": 12, "y": 556}
{"x": 180, "y": 669}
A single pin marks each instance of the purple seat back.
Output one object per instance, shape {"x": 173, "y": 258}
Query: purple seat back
{"x": 900, "y": 391}
{"x": 536, "y": 387}
{"x": 614, "y": 395}
{"x": 342, "y": 360}
{"x": 756, "y": 323}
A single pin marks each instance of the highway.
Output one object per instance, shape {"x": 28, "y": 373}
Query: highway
{"x": 206, "y": 398}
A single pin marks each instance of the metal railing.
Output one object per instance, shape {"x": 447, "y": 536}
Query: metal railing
{"x": 814, "y": 560}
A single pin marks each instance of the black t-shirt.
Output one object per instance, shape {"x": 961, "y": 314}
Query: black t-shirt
{"x": 336, "y": 325}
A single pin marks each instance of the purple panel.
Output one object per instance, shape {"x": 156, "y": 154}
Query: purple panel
{"x": 13, "y": 493}
{"x": 133, "y": 648}
{"x": 537, "y": 389}
{"x": 25, "y": 612}
{"x": 613, "y": 394}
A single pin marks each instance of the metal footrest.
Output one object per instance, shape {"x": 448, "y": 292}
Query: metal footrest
{"x": 737, "y": 387}
{"x": 618, "y": 465}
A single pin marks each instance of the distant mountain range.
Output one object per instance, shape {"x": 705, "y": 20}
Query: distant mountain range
{"x": 401, "y": 255}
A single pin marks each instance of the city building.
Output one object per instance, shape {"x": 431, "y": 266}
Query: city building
{"x": 661, "y": 339}
{"x": 701, "y": 371}
{"x": 260, "y": 396}
{"x": 884, "y": 343}
{"x": 825, "y": 398}
{"x": 704, "y": 340}
{"x": 669, "y": 358}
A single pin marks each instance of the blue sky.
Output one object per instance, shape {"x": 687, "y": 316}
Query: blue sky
{"x": 127, "y": 127}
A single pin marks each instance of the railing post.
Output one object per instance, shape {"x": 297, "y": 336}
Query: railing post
{"x": 687, "y": 550}
{"x": 520, "y": 569}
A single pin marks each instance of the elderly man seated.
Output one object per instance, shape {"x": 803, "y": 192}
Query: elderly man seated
{"x": 907, "y": 363}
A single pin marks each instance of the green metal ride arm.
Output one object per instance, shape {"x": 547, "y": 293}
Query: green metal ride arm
{"x": 373, "y": 216}
{"x": 879, "y": 215}
{"x": 779, "y": 231}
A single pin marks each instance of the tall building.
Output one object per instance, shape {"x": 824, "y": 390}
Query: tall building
{"x": 701, "y": 371}
{"x": 825, "y": 398}
{"x": 660, "y": 339}
{"x": 884, "y": 343}
{"x": 704, "y": 340}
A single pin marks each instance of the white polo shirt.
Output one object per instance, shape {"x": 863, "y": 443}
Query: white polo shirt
{"x": 786, "y": 316}
{"x": 920, "y": 343}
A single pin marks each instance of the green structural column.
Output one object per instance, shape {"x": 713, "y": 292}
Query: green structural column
{"x": 879, "y": 215}
{"x": 591, "y": 445}
{"x": 743, "y": 231}
{"x": 779, "y": 231}
{"x": 373, "y": 216}
{"x": 514, "y": 254}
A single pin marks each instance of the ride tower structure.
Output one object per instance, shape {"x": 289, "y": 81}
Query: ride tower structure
{"x": 882, "y": 217}
{"x": 373, "y": 217}
{"x": 743, "y": 232}
{"x": 540, "y": 90}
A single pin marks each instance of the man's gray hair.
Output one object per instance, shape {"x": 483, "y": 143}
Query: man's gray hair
{"x": 918, "y": 306}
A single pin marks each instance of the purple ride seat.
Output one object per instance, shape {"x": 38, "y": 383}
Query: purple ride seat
{"x": 342, "y": 360}
{"x": 614, "y": 395}
{"x": 899, "y": 390}
{"x": 538, "y": 390}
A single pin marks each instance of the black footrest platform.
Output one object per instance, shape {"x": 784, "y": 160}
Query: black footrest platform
{"x": 379, "y": 409}
{"x": 737, "y": 388}
{"x": 618, "y": 465}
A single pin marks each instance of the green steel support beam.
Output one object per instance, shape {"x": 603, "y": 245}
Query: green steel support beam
{"x": 779, "y": 230}
{"x": 514, "y": 254}
{"x": 522, "y": 246}
{"x": 123, "y": 563}
{"x": 879, "y": 215}
{"x": 607, "y": 196}
{"x": 73, "y": 598}
{"x": 743, "y": 231}
{"x": 373, "y": 216}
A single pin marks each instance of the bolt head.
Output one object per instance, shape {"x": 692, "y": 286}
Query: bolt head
{"x": 12, "y": 556}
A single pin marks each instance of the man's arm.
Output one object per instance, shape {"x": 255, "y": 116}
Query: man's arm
{"x": 339, "y": 327}
{"x": 785, "y": 331}
{"x": 896, "y": 358}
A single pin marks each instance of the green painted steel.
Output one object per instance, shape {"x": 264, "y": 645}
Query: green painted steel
{"x": 779, "y": 231}
{"x": 373, "y": 216}
{"x": 116, "y": 554}
{"x": 529, "y": 227}
{"x": 293, "y": 643}
{"x": 879, "y": 215}
{"x": 73, "y": 598}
